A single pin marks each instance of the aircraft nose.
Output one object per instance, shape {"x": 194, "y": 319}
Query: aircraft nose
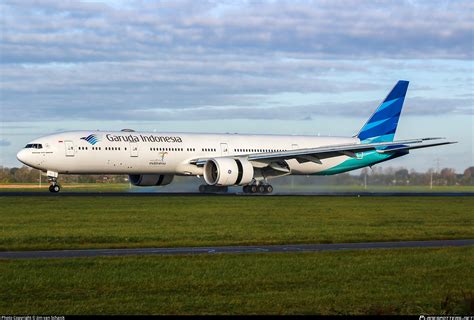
{"x": 22, "y": 156}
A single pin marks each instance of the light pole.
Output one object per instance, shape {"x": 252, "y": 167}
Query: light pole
{"x": 431, "y": 179}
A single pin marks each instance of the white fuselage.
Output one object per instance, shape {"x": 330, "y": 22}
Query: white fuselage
{"x": 99, "y": 152}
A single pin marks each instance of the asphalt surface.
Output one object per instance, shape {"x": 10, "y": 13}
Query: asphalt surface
{"x": 233, "y": 249}
{"x": 157, "y": 194}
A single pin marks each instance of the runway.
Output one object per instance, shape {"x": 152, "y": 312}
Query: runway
{"x": 233, "y": 249}
{"x": 232, "y": 194}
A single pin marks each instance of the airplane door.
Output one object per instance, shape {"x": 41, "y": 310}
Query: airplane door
{"x": 133, "y": 150}
{"x": 224, "y": 149}
{"x": 69, "y": 145}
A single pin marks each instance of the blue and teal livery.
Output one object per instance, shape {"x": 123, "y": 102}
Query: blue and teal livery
{"x": 380, "y": 127}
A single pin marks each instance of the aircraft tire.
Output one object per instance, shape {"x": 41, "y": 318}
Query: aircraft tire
{"x": 268, "y": 188}
{"x": 54, "y": 188}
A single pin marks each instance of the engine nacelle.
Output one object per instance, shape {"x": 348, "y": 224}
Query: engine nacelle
{"x": 147, "y": 180}
{"x": 228, "y": 172}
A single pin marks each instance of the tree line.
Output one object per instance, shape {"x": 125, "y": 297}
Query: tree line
{"x": 388, "y": 176}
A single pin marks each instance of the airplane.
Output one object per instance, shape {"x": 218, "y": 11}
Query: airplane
{"x": 223, "y": 160}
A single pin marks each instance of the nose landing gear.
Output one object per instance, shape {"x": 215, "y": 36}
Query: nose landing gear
{"x": 53, "y": 179}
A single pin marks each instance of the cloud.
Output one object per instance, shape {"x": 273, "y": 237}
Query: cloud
{"x": 246, "y": 110}
{"x": 71, "y": 31}
{"x": 206, "y": 60}
{"x": 4, "y": 143}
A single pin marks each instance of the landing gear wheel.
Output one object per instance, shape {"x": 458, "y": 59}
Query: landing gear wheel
{"x": 54, "y": 188}
{"x": 261, "y": 189}
{"x": 268, "y": 189}
{"x": 245, "y": 189}
{"x": 253, "y": 189}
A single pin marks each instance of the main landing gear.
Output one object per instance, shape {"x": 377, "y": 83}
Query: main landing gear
{"x": 262, "y": 188}
{"x": 53, "y": 179}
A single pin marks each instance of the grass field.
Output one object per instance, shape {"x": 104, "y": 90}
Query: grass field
{"x": 111, "y": 222}
{"x": 407, "y": 281}
{"x": 187, "y": 185}
{"x": 401, "y": 281}
{"x": 80, "y": 187}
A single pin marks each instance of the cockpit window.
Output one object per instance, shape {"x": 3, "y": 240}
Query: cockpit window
{"x": 34, "y": 146}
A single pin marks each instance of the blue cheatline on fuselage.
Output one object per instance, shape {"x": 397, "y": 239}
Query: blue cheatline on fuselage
{"x": 383, "y": 123}
{"x": 368, "y": 158}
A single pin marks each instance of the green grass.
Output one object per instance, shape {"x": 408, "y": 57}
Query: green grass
{"x": 109, "y": 222}
{"x": 80, "y": 187}
{"x": 124, "y": 187}
{"x": 404, "y": 281}
{"x": 372, "y": 188}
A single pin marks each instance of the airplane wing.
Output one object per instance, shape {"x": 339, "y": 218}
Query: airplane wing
{"x": 319, "y": 153}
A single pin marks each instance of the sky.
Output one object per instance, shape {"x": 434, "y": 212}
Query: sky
{"x": 283, "y": 67}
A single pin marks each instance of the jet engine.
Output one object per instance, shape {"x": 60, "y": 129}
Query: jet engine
{"x": 228, "y": 172}
{"x": 147, "y": 180}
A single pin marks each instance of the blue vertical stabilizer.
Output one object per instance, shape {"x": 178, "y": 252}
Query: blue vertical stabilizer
{"x": 382, "y": 125}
